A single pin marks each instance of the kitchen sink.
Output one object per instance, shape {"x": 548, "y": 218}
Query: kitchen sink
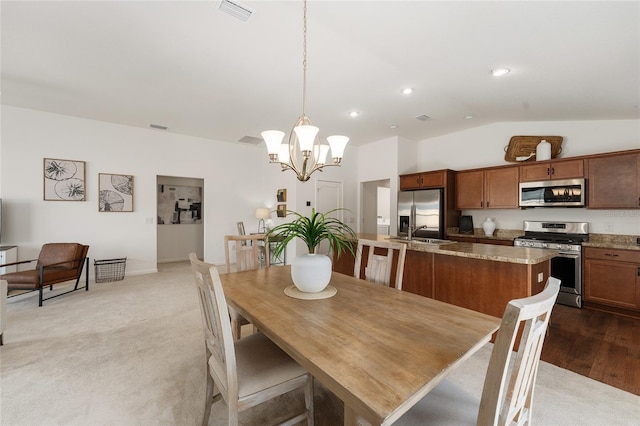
{"x": 421, "y": 240}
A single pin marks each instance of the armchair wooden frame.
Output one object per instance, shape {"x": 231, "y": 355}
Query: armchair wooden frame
{"x": 46, "y": 278}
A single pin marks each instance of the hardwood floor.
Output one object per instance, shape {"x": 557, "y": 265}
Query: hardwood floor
{"x": 599, "y": 345}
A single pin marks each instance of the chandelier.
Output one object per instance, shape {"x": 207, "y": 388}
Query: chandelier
{"x": 304, "y": 154}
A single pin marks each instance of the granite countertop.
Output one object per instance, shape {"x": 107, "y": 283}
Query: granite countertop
{"x": 623, "y": 242}
{"x": 527, "y": 256}
{"x": 498, "y": 234}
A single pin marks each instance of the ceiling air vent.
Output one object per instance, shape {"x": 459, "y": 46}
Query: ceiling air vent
{"x": 250, "y": 140}
{"x": 423, "y": 117}
{"x": 236, "y": 10}
{"x": 158, "y": 126}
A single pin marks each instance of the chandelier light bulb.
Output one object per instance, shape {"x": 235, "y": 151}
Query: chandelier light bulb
{"x": 283, "y": 153}
{"x": 306, "y": 136}
{"x": 338, "y": 144}
{"x": 320, "y": 153}
{"x": 273, "y": 139}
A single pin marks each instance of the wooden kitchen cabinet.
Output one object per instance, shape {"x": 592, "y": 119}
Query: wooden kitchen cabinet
{"x": 559, "y": 169}
{"x": 424, "y": 180}
{"x": 493, "y": 188}
{"x": 612, "y": 277}
{"x": 614, "y": 181}
{"x": 418, "y": 273}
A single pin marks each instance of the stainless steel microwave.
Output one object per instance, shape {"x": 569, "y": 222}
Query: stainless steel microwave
{"x": 553, "y": 193}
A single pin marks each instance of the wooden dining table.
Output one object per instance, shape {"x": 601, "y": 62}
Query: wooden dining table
{"x": 378, "y": 349}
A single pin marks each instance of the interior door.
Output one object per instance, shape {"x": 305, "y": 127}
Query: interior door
{"x": 328, "y": 197}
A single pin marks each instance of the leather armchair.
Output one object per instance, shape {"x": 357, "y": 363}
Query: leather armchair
{"x": 56, "y": 263}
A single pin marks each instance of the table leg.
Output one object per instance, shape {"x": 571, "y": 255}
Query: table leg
{"x": 351, "y": 418}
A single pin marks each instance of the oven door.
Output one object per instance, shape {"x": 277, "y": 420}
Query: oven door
{"x": 566, "y": 267}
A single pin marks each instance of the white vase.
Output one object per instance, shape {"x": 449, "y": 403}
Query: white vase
{"x": 311, "y": 273}
{"x": 489, "y": 226}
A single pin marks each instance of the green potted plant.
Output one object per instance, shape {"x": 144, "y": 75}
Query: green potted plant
{"x": 311, "y": 272}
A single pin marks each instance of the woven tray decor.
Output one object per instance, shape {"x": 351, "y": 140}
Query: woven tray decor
{"x": 525, "y": 146}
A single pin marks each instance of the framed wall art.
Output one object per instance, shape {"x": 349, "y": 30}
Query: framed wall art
{"x": 64, "y": 180}
{"x": 281, "y": 210}
{"x": 281, "y": 195}
{"x": 115, "y": 193}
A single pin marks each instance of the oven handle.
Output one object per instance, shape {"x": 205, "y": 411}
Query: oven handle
{"x": 569, "y": 254}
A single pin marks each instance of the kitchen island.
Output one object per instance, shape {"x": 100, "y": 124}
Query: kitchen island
{"x": 482, "y": 277}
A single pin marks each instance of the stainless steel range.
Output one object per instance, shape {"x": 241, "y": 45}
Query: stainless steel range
{"x": 567, "y": 238}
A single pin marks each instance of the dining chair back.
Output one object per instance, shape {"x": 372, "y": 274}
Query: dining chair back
{"x": 507, "y": 394}
{"x": 248, "y": 251}
{"x": 246, "y": 372}
{"x": 379, "y": 262}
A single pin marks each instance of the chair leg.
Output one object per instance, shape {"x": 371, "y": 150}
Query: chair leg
{"x": 1, "y": 342}
{"x": 208, "y": 399}
{"x": 40, "y": 296}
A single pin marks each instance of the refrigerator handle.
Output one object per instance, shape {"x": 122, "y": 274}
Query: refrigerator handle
{"x": 412, "y": 218}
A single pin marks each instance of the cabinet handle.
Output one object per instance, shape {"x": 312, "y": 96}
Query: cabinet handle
{"x": 553, "y": 171}
{"x": 639, "y": 271}
{"x": 548, "y": 171}
{"x": 611, "y": 254}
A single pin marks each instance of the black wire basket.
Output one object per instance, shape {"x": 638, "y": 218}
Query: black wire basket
{"x": 108, "y": 270}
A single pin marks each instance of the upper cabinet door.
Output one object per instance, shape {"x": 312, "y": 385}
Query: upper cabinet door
{"x": 470, "y": 190}
{"x": 426, "y": 180}
{"x": 614, "y": 182}
{"x": 564, "y": 169}
{"x": 501, "y": 188}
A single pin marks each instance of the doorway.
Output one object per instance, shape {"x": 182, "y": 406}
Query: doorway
{"x": 180, "y": 218}
{"x": 376, "y": 207}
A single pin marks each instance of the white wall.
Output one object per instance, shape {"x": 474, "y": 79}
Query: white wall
{"x": 237, "y": 179}
{"x": 484, "y": 147}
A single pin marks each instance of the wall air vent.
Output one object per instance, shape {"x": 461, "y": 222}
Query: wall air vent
{"x": 236, "y": 10}
{"x": 250, "y": 140}
{"x": 158, "y": 126}
{"x": 423, "y": 117}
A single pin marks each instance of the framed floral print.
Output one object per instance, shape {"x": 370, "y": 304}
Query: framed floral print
{"x": 64, "y": 180}
{"x": 115, "y": 193}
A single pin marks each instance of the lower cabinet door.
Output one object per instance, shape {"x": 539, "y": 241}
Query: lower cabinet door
{"x": 612, "y": 283}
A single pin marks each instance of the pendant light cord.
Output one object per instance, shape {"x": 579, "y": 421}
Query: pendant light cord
{"x": 304, "y": 59}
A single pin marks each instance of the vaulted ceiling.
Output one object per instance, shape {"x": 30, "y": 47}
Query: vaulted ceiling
{"x": 202, "y": 72}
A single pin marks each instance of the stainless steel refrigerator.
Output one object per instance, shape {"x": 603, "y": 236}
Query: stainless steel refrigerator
{"x": 422, "y": 210}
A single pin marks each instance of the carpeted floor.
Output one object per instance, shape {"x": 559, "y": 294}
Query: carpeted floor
{"x": 131, "y": 353}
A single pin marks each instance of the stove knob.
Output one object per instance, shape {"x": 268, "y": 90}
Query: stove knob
{"x": 545, "y": 245}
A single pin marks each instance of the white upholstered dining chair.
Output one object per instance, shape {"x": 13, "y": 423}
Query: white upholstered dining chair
{"x": 249, "y": 249}
{"x": 378, "y": 266}
{"x": 246, "y": 372}
{"x": 508, "y": 386}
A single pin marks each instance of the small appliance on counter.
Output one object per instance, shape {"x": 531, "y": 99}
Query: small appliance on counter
{"x": 466, "y": 225}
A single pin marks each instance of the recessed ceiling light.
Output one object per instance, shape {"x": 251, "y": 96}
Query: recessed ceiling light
{"x": 354, "y": 114}
{"x": 407, "y": 90}
{"x": 500, "y": 71}
{"x": 393, "y": 126}
{"x": 468, "y": 117}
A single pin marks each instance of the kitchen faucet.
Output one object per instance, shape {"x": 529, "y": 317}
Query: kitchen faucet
{"x": 413, "y": 229}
